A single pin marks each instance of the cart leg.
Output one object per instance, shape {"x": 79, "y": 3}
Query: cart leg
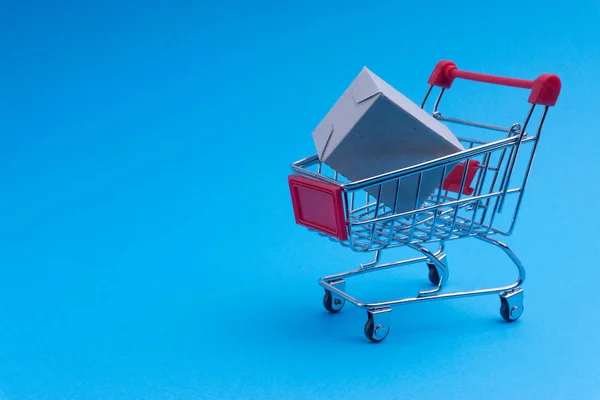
{"x": 378, "y": 324}
{"x": 372, "y": 263}
{"x": 511, "y": 255}
{"x": 331, "y": 300}
{"x": 439, "y": 263}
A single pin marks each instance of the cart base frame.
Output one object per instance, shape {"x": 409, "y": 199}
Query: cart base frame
{"x": 377, "y": 326}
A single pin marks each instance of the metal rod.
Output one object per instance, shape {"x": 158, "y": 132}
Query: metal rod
{"x": 438, "y": 200}
{"x": 379, "y": 267}
{"x": 441, "y": 296}
{"x": 299, "y": 167}
{"x": 471, "y": 123}
{"x": 497, "y": 172}
{"x": 372, "y": 263}
{"x": 475, "y": 209}
{"x": 460, "y": 192}
{"x": 528, "y": 170}
{"x": 370, "y": 269}
{"x": 426, "y": 96}
{"x": 450, "y": 159}
{"x": 417, "y": 203}
{"x": 437, "y": 101}
{"x": 376, "y": 213}
{"x": 481, "y": 176}
{"x": 512, "y": 161}
{"x": 396, "y": 204}
{"x": 430, "y": 208}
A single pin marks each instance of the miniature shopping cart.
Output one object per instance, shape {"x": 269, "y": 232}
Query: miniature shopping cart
{"x": 472, "y": 193}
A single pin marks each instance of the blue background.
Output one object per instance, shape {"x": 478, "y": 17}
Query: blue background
{"x": 147, "y": 244}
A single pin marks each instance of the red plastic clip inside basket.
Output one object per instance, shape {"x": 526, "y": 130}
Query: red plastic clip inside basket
{"x": 454, "y": 178}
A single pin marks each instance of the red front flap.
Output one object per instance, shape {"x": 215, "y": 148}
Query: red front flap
{"x": 318, "y": 205}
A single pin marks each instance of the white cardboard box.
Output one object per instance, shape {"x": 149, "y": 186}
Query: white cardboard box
{"x": 373, "y": 129}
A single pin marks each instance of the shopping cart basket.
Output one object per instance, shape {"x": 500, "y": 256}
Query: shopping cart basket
{"x": 472, "y": 192}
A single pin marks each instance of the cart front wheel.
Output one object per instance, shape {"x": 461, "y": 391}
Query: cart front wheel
{"x": 376, "y": 333}
{"x": 331, "y": 303}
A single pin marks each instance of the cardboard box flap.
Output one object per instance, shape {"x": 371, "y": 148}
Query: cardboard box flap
{"x": 322, "y": 135}
{"x": 365, "y": 86}
{"x": 414, "y": 110}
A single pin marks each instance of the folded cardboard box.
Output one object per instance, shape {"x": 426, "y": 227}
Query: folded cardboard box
{"x": 374, "y": 129}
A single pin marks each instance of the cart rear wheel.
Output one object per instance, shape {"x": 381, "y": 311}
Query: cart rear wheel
{"x": 331, "y": 303}
{"x": 434, "y": 276}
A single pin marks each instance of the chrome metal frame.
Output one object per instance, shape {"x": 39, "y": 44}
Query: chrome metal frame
{"x": 444, "y": 216}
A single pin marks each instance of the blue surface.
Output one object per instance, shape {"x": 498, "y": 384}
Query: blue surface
{"x": 147, "y": 244}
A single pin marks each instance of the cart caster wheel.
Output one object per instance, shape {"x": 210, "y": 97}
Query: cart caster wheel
{"x": 434, "y": 276}
{"x": 511, "y": 305}
{"x": 331, "y": 303}
{"x": 377, "y": 327}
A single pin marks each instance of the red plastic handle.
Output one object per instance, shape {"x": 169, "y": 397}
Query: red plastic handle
{"x": 544, "y": 89}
